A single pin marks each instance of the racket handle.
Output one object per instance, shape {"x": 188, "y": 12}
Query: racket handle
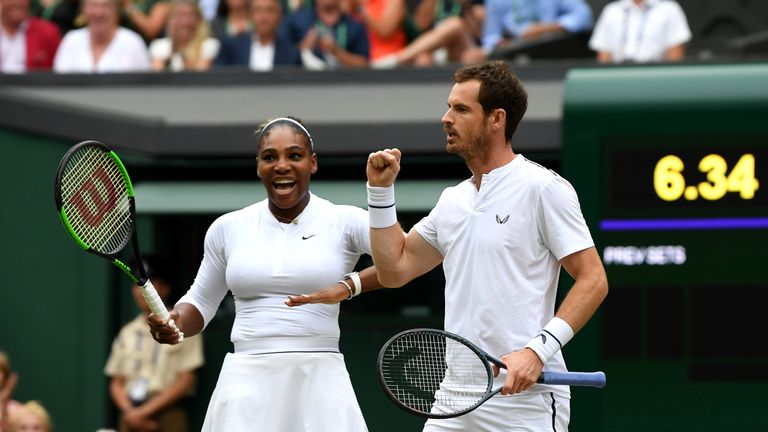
{"x": 154, "y": 301}
{"x": 588, "y": 379}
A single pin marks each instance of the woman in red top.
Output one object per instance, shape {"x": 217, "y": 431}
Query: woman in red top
{"x": 384, "y": 20}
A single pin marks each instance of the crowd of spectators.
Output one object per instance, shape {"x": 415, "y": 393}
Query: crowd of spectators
{"x": 93, "y": 36}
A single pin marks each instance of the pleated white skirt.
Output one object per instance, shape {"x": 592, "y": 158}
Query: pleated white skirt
{"x": 284, "y": 392}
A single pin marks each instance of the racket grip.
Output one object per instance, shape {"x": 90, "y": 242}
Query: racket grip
{"x": 588, "y": 379}
{"x": 154, "y": 301}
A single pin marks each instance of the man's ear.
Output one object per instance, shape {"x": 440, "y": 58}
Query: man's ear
{"x": 499, "y": 118}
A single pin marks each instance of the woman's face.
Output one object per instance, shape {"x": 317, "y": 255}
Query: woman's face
{"x": 285, "y": 165}
{"x": 184, "y": 22}
{"x": 102, "y": 15}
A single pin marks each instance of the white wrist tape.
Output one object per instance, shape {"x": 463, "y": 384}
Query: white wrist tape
{"x": 381, "y": 206}
{"x": 551, "y": 339}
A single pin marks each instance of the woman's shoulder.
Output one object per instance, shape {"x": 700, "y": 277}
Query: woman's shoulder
{"x": 338, "y": 212}
{"x": 76, "y": 35}
{"x": 128, "y": 36}
{"x": 210, "y": 47}
{"x": 161, "y": 49}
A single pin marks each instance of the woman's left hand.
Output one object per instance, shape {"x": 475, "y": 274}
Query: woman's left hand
{"x": 330, "y": 295}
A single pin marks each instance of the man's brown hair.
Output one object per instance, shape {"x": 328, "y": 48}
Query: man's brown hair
{"x": 499, "y": 88}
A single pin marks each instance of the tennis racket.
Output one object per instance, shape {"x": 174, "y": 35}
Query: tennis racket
{"x": 437, "y": 374}
{"x": 94, "y": 198}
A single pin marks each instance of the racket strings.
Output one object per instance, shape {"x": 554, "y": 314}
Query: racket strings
{"x": 430, "y": 373}
{"x": 95, "y": 200}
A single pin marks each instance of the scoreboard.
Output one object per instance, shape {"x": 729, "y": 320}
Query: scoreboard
{"x": 671, "y": 166}
{"x": 684, "y": 209}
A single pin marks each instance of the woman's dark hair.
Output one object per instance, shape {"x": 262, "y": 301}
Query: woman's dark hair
{"x": 293, "y": 122}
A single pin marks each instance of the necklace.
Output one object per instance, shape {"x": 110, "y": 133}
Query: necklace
{"x": 283, "y": 220}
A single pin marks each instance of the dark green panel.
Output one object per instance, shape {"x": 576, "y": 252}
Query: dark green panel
{"x": 54, "y": 309}
{"x": 671, "y": 165}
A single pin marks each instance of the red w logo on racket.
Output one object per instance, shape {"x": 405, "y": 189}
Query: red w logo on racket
{"x": 93, "y": 200}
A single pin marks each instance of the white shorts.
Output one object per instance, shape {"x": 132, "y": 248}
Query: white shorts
{"x": 294, "y": 391}
{"x": 526, "y": 412}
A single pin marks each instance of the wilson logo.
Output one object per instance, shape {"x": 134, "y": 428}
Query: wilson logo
{"x": 95, "y": 198}
{"x": 500, "y": 220}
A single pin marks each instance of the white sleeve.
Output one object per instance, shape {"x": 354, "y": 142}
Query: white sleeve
{"x": 160, "y": 49}
{"x": 427, "y": 226}
{"x": 561, "y": 222}
{"x": 141, "y": 57}
{"x": 62, "y": 62}
{"x": 678, "y": 30}
{"x": 357, "y": 227}
{"x": 210, "y": 285}
{"x": 602, "y": 35}
{"x": 136, "y": 52}
{"x": 210, "y": 48}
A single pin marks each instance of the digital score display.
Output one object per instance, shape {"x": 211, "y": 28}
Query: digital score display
{"x": 684, "y": 210}
{"x": 716, "y": 181}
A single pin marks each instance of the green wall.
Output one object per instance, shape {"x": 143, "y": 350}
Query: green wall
{"x": 54, "y": 314}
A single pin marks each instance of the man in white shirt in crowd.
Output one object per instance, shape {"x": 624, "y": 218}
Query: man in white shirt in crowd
{"x": 640, "y": 31}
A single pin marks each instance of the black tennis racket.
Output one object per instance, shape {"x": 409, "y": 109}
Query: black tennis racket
{"x": 437, "y": 374}
{"x": 94, "y": 198}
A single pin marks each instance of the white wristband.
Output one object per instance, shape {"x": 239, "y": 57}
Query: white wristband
{"x": 349, "y": 288}
{"x": 551, "y": 339}
{"x": 358, "y": 284}
{"x": 381, "y": 206}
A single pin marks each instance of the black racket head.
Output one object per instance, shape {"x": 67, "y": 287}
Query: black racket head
{"x": 94, "y": 198}
{"x": 433, "y": 373}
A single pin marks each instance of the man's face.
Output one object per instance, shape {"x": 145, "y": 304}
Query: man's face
{"x": 464, "y": 122}
{"x": 266, "y": 16}
{"x": 14, "y": 11}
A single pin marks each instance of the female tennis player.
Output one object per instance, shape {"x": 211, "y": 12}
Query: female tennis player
{"x": 286, "y": 372}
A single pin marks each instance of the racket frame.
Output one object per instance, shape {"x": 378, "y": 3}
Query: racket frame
{"x": 591, "y": 379}
{"x": 147, "y": 288}
{"x": 489, "y": 393}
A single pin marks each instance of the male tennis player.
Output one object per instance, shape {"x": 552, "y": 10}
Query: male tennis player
{"x": 502, "y": 236}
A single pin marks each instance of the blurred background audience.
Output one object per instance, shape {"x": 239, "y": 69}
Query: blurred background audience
{"x": 445, "y": 31}
{"x": 508, "y": 22}
{"x": 327, "y": 36}
{"x": 146, "y": 17}
{"x": 641, "y": 31}
{"x": 264, "y": 48}
{"x": 101, "y": 46}
{"x": 233, "y": 18}
{"x": 149, "y": 382}
{"x": 30, "y": 417}
{"x": 27, "y": 43}
{"x": 8, "y": 380}
{"x": 187, "y": 45}
{"x": 64, "y": 13}
{"x": 385, "y": 21}
{"x": 382, "y": 34}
